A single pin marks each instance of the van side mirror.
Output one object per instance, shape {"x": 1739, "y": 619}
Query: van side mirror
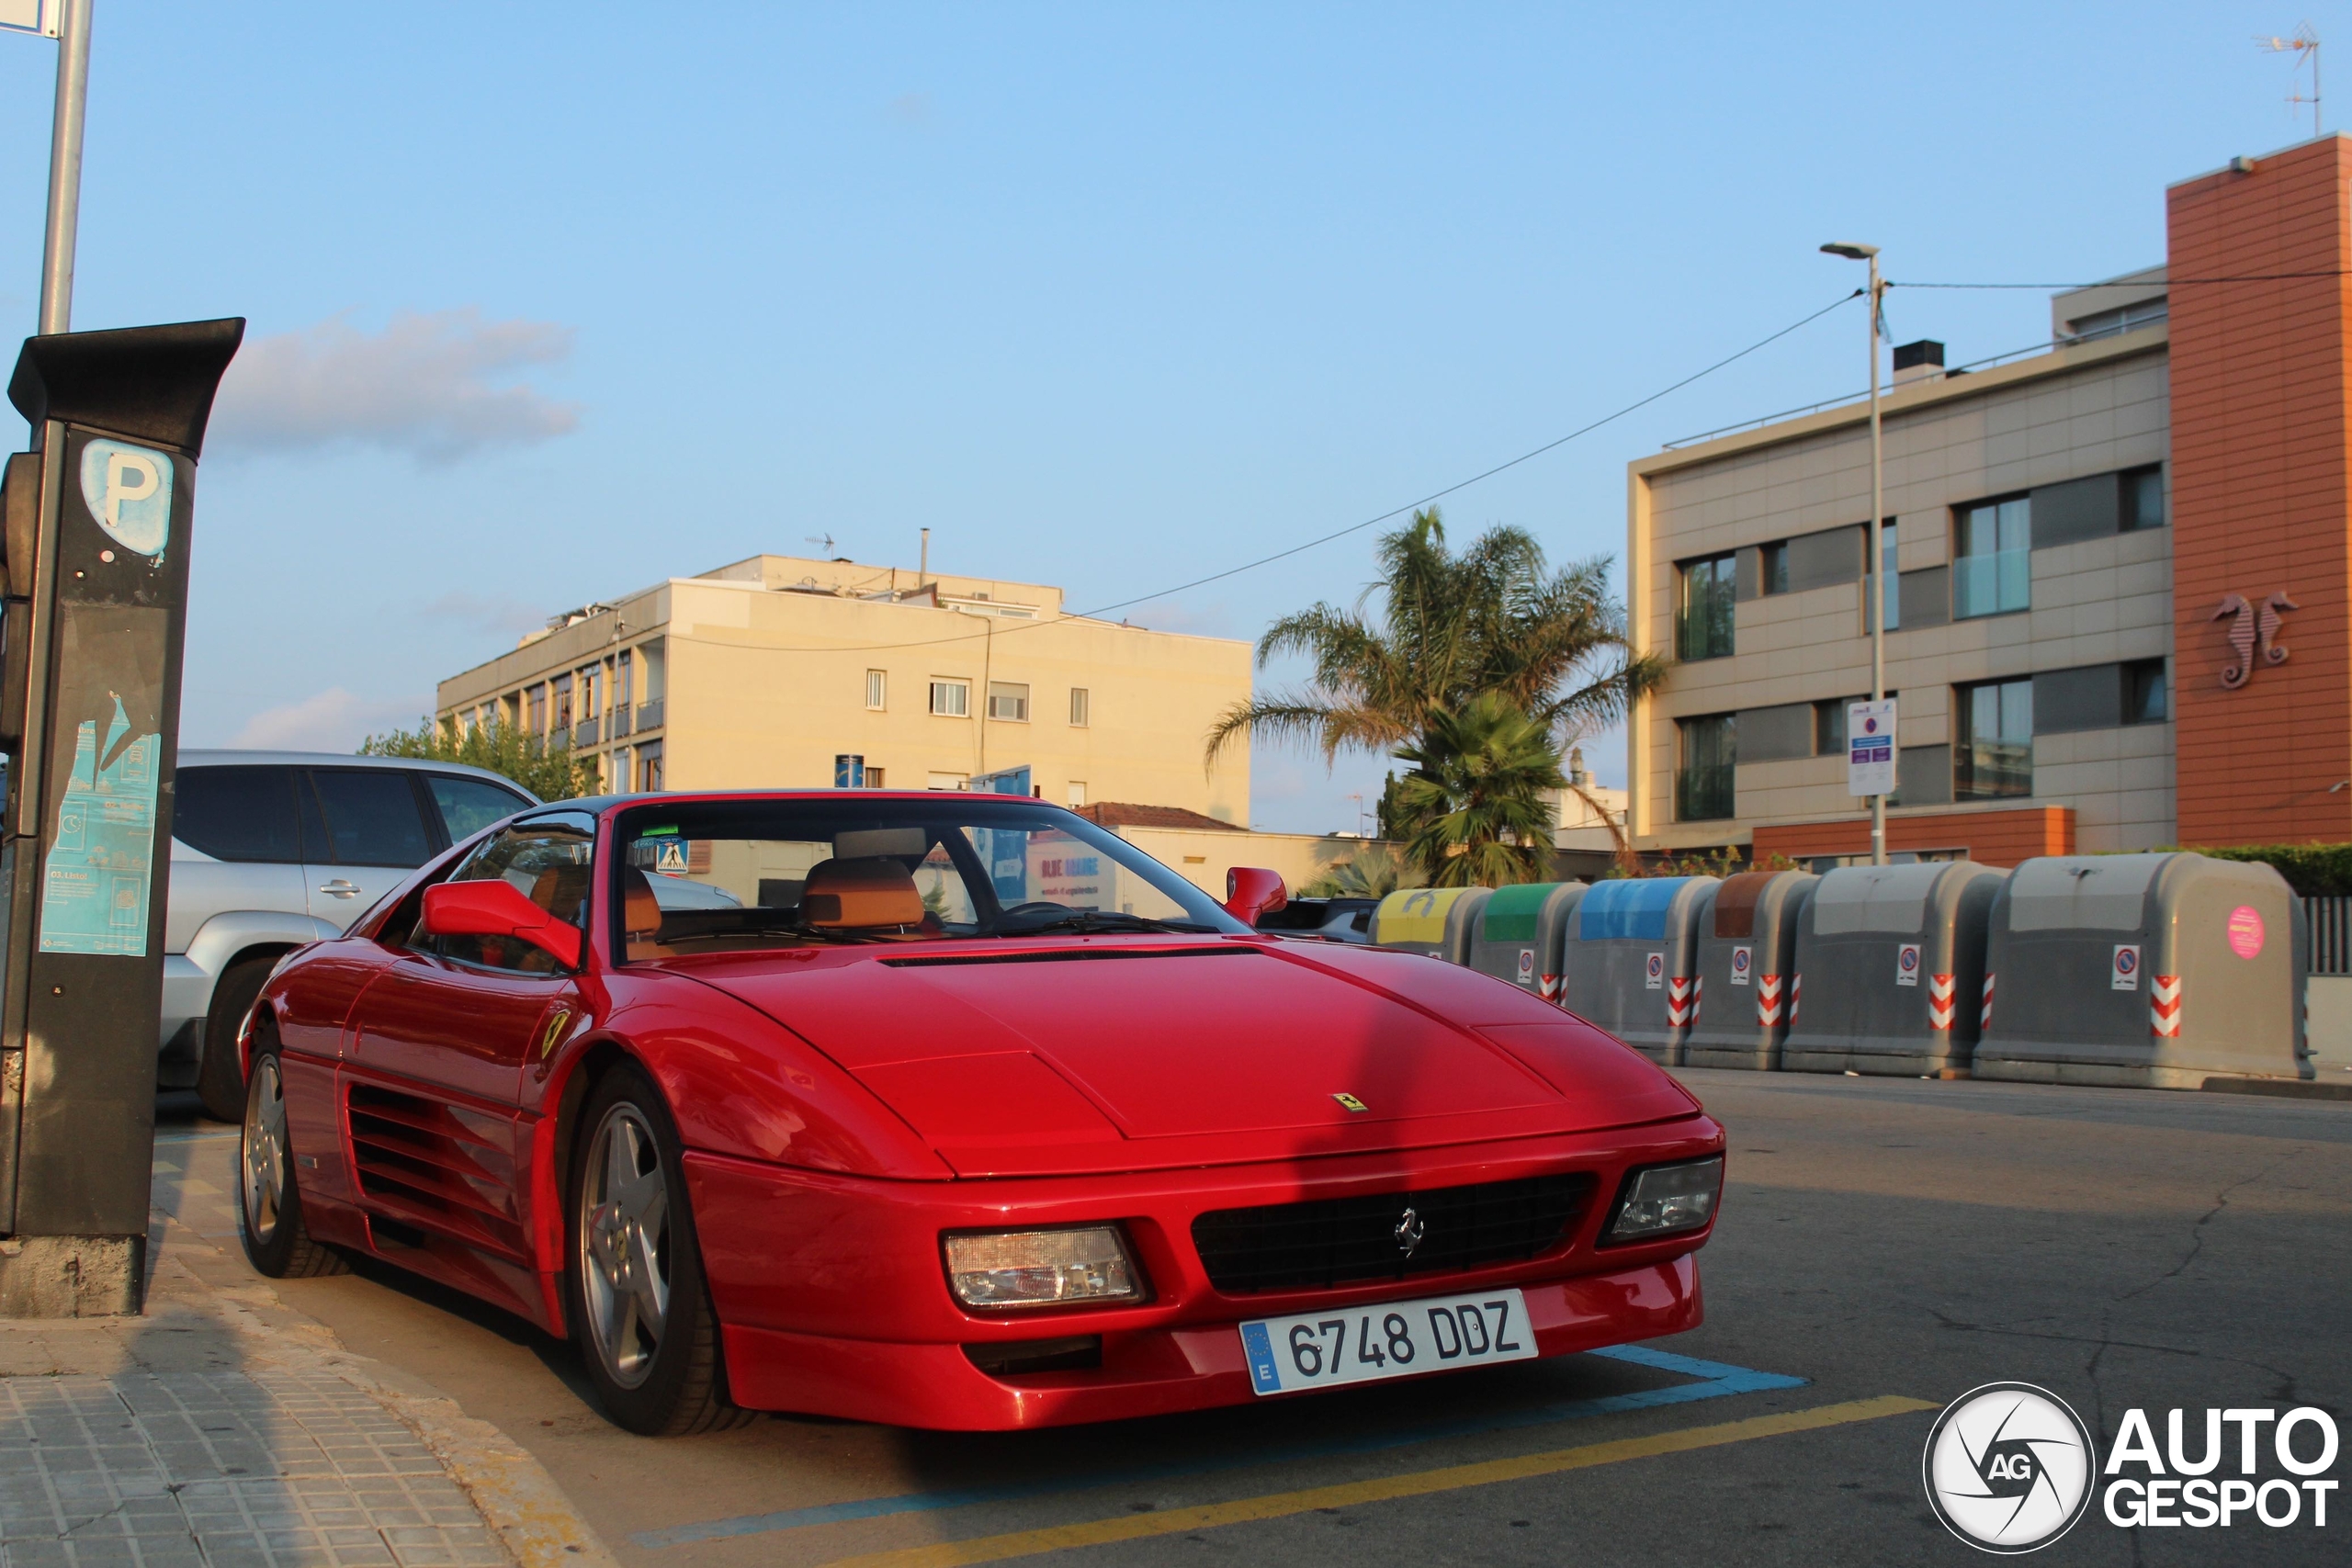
{"x": 496, "y": 908}
{"x": 1251, "y": 891}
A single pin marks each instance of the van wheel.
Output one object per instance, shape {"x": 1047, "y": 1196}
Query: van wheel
{"x": 220, "y": 1082}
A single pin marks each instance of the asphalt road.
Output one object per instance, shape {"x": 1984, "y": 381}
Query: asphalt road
{"x": 1892, "y": 1242}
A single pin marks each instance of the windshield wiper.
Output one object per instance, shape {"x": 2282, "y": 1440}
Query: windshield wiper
{"x": 1094, "y": 920}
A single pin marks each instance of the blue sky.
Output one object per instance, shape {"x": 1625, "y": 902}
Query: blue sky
{"x": 549, "y": 303}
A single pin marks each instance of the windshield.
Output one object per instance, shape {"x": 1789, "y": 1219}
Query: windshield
{"x": 716, "y": 876}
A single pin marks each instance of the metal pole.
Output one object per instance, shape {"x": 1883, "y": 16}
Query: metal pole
{"x": 65, "y": 168}
{"x": 1878, "y": 568}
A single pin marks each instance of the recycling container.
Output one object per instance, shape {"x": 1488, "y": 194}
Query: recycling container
{"x": 1631, "y": 961}
{"x": 1747, "y": 952}
{"x": 1432, "y": 921}
{"x": 1519, "y": 933}
{"x": 2155, "y": 970}
{"x": 1889, "y": 962}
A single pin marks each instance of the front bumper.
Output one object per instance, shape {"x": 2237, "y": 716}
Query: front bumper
{"x": 833, "y": 1300}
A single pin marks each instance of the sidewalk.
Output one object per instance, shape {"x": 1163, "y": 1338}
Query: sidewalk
{"x": 222, "y": 1429}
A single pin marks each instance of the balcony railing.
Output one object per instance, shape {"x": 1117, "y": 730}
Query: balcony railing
{"x": 1703, "y": 794}
{"x": 1988, "y": 585}
{"x": 619, "y": 721}
{"x": 584, "y": 733}
{"x": 649, "y": 715}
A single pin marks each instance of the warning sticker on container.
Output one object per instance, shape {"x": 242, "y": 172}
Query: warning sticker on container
{"x": 1527, "y": 966}
{"x": 1654, "y": 976}
{"x": 2245, "y": 931}
{"x": 1907, "y": 965}
{"x": 1743, "y": 959}
{"x": 2126, "y": 974}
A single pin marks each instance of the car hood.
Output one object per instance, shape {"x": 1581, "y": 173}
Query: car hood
{"x": 1119, "y": 1055}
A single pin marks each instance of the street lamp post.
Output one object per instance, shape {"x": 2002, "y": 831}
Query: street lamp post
{"x": 1877, "y": 593}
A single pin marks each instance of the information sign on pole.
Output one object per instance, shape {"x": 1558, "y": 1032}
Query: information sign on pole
{"x": 1870, "y": 748}
{"x": 43, "y": 16}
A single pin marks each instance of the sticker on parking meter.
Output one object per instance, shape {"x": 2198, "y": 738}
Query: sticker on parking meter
{"x": 2126, "y": 975}
{"x": 1742, "y": 961}
{"x": 1654, "y": 976}
{"x": 128, "y": 490}
{"x": 2245, "y": 931}
{"x": 1907, "y": 965}
{"x": 1526, "y": 966}
{"x": 95, "y": 881}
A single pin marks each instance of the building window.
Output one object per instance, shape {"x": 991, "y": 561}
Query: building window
{"x": 1077, "y": 794}
{"x": 1008, "y": 700}
{"x": 2143, "y": 499}
{"x": 1703, "y": 627}
{"x": 1078, "y": 708}
{"x": 1995, "y": 756}
{"x": 1992, "y": 570}
{"x": 563, "y": 705}
{"x": 878, "y": 689}
{"x": 1772, "y": 567}
{"x": 1702, "y": 783}
{"x": 874, "y": 778}
{"x": 649, "y": 769}
{"x": 1890, "y": 581}
{"x": 624, "y": 682}
{"x": 951, "y": 699}
{"x": 2144, "y": 699}
{"x": 536, "y": 704}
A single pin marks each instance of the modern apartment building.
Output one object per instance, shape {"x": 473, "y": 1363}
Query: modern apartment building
{"x": 2119, "y": 582}
{"x": 779, "y": 671}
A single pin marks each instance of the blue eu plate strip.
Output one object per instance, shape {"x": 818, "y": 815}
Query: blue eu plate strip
{"x": 1715, "y": 1381}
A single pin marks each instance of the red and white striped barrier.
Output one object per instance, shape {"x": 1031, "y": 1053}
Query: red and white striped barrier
{"x": 1939, "y": 1002}
{"x": 1984, "y": 1015}
{"x": 1550, "y": 986}
{"x": 1681, "y": 1000}
{"x": 2164, "y": 1007}
{"x": 1768, "y": 1000}
{"x": 1796, "y": 995}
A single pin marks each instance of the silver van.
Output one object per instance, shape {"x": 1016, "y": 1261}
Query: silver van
{"x": 274, "y": 848}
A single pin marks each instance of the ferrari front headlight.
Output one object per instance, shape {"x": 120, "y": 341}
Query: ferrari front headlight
{"x": 1666, "y": 1199}
{"x": 1029, "y": 1269}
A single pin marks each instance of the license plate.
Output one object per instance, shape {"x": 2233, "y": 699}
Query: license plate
{"x": 1394, "y": 1339}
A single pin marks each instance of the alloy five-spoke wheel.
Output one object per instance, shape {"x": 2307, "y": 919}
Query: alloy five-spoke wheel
{"x": 625, "y": 1254}
{"x": 269, "y": 1200}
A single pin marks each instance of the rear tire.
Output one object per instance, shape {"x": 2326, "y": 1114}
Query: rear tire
{"x": 634, "y": 1290}
{"x": 269, "y": 1200}
{"x": 220, "y": 1080}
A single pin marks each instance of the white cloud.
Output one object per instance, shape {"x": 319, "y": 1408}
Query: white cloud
{"x": 425, "y": 385}
{"x": 332, "y": 720}
{"x": 486, "y": 613}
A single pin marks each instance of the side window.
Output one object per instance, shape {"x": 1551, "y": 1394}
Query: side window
{"x": 467, "y": 805}
{"x": 237, "y": 814}
{"x": 549, "y": 862}
{"x": 370, "y": 817}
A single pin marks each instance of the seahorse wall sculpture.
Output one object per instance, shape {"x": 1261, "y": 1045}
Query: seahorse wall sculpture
{"x": 2241, "y": 638}
{"x": 2271, "y": 652}
{"x": 2245, "y": 629}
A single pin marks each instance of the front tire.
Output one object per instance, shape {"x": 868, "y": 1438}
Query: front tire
{"x": 269, "y": 1201}
{"x": 639, "y": 1305}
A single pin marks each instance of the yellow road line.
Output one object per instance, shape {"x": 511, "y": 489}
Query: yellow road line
{"x": 1278, "y": 1504}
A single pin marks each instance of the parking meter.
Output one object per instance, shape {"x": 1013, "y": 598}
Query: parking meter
{"x": 97, "y": 538}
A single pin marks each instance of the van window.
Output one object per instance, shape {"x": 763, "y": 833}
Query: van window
{"x": 467, "y": 805}
{"x": 237, "y": 814}
{"x": 372, "y": 817}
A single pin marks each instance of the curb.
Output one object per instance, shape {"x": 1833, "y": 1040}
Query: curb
{"x": 2281, "y": 1089}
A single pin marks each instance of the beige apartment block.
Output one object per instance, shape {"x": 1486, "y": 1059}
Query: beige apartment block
{"x": 783, "y": 672}
{"x": 2029, "y": 556}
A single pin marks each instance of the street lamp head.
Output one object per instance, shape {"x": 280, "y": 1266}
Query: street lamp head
{"x": 1852, "y": 252}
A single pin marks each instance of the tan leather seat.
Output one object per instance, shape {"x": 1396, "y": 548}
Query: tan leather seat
{"x": 562, "y": 890}
{"x": 641, "y": 916}
{"x": 861, "y": 894}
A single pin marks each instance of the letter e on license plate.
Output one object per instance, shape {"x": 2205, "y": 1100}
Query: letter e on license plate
{"x": 1387, "y": 1339}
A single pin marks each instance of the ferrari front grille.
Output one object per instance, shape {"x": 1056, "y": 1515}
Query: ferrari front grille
{"x": 1334, "y": 1241}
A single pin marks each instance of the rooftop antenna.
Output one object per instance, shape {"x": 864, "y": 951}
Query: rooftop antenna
{"x": 824, "y": 539}
{"x": 2304, "y": 46}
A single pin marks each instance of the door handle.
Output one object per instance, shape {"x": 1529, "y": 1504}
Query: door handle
{"x": 340, "y": 888}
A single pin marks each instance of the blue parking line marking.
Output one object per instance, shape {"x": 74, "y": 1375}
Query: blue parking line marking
{"x": 1715, "y": 1379}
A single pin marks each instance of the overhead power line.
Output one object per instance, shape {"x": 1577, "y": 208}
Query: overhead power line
{"x": 1410, "y": 506}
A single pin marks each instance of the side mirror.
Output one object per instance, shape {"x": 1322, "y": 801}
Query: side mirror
{"x": 493, "y": 907}
{"x": 1251, "y": 891}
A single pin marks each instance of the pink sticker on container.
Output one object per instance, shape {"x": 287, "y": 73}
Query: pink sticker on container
{"x": 2245, "y": 931}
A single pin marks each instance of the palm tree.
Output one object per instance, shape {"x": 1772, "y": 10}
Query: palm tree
{"x": 1373, "y": 871}
{"x": 1477, "y": 795}
{"x": 1450, "y": 628}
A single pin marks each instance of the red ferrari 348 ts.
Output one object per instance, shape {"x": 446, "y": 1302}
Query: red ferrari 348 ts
{"x": 950, "y": 1110}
